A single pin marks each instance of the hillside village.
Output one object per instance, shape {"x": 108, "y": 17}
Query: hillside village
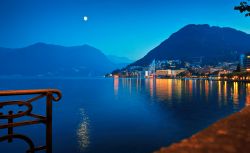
{"x": 236, "y": 70}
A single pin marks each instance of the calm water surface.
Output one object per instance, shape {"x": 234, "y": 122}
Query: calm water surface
{"x": 127, "y": 115}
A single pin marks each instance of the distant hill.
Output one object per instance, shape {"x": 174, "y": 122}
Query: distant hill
{"x": 120, "y": 61}
{"x": 53, "y": 60}
{"x": 212, "y": 43}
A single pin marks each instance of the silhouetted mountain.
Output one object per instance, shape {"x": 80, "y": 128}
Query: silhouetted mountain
{"x": 120, "y": 62}
{"x": 212, "y": 43}
{"x": 117, "y": 59}
{"x": 53, "y": 60}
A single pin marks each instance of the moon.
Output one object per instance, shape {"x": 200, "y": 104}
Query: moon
{"x": 85, "y": 18}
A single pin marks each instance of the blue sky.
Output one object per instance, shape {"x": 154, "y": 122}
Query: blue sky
{"x": 128, "y": 28}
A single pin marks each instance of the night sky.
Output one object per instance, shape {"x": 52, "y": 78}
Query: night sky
{"x": 128, "y": 28}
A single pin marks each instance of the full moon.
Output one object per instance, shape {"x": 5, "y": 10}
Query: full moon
{"x": 85, "y": 18}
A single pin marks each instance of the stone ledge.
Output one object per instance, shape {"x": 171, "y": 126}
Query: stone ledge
{"x": 228, "y": 135}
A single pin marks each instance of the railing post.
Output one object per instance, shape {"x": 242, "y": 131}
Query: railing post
{"x": 10, "y": 129}
{"x": 49, "y": 122}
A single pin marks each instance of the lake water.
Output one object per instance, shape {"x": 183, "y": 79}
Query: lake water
{"x": 127, "y": 115}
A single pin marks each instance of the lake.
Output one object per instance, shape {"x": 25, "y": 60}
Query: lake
{"x": 105, "y": 115}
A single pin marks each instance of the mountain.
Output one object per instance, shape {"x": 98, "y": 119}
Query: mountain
{"x": 211, "y": 43}
{"x": 117, "y": 59}
{"x": 53, "y": 60}
{"x": 120, "y": 61}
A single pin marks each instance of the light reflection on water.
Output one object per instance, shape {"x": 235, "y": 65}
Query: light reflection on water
{"x": 132, "y": 115}
{"x": 83, "y": 131}
{"x": 116, "y": 86}
{"x": 248, "y": 94}
{"x": 182, "y": 96}
{"x": 176, "y": 89}
{"x": 235, "y": 95}
{"x": 167, "y": 109}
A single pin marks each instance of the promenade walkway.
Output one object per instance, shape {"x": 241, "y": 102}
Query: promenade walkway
{"x": 229, "y": 135}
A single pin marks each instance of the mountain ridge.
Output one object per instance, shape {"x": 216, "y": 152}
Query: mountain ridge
{"x": 200, "y": 40}
{"x": 54, "y": 60}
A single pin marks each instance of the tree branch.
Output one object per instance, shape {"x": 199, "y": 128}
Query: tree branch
{"x": 244, "y": 7}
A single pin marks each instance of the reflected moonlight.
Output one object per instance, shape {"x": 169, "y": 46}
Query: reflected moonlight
{"x": 83, "y": 131}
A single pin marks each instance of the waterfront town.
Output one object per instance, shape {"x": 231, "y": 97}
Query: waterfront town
{"x": 235, "y": 70}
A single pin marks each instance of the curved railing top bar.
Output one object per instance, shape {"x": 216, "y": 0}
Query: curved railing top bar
{"x": 32, "y": 92}
{"x": 50, "y": 94}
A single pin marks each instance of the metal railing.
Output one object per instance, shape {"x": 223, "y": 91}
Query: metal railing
{"x": 50, "y": 94}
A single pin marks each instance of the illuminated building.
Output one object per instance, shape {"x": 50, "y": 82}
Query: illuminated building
{"x": 245, "y": 62}
{"x": 152, "y": 67}
{"x": 168, "y": 72}
{"x": 242, "y": 59}
{"x": 163, "y": 73}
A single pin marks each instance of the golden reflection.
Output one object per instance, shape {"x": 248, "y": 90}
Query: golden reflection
{"x": 164, "y": 89}
{"x": 219, "y": 92}
{"x": 190, "y": 87}
{"x": 174, "y": 89}
{"x": 151, "y": 86}
{"x": 178, "y": 89}
{"x": 248, "y": 94}
{"x": 225, "y": 92}
{"x": 185, "y": 86}
{"x": 206, "y": 88}
{"x": 116, "y": 86}
{"x": 235, "y": 94}
{"x": 83, "y": 131}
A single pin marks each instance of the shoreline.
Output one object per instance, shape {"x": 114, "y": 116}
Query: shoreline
{"x": 228, "y": 80}
{"x": 228, "y": 135}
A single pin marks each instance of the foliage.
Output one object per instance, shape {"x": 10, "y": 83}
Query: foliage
{"x": 244, "y": 7}
{"x": 117, "y": 71}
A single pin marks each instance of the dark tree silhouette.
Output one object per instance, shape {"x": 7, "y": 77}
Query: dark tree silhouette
{"x": 244, "y": 7}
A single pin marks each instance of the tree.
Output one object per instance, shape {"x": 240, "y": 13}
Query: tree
{"x": 116, "y": 72}
{"x": 244, "y": 7}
